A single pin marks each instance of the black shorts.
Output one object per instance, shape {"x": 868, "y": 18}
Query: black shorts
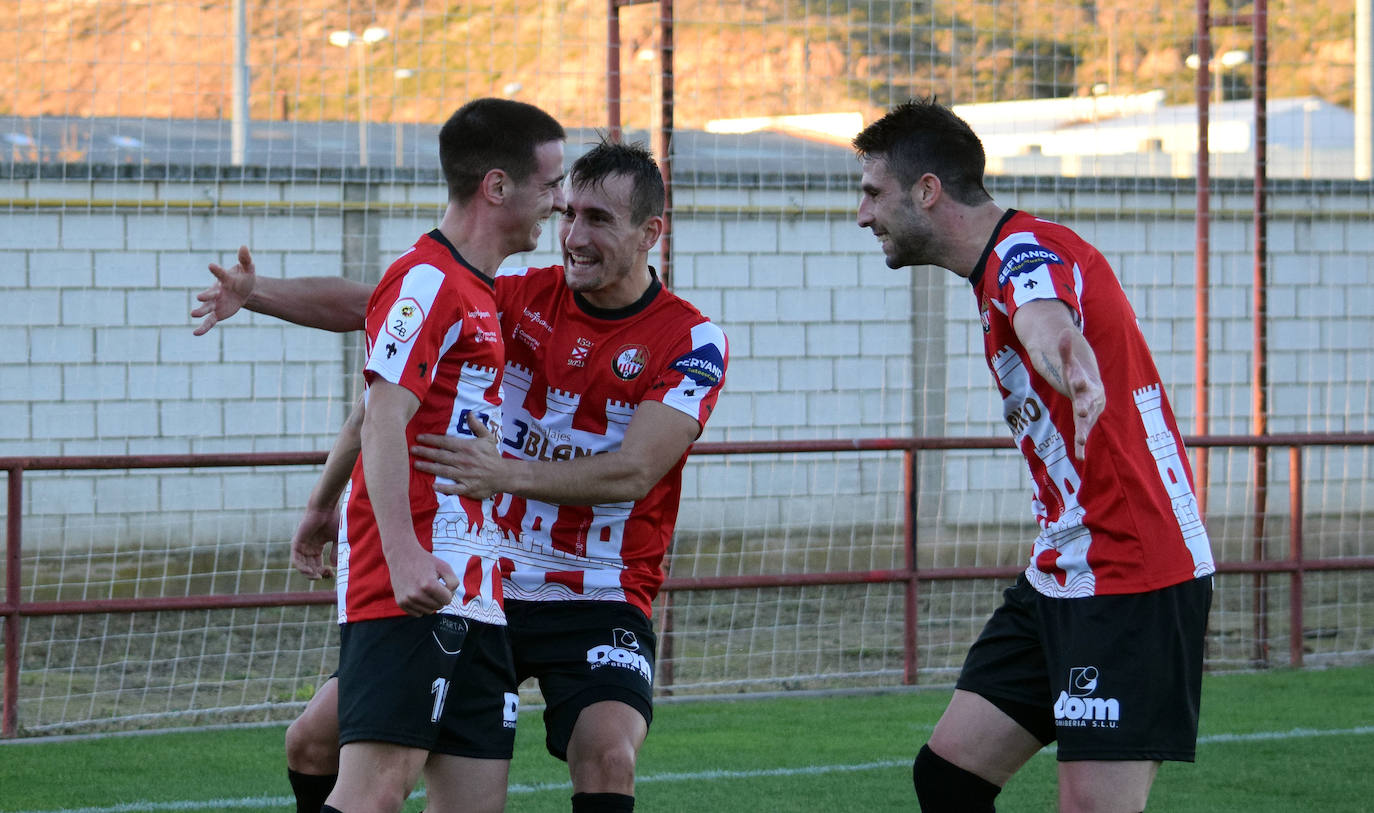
{"x": 438, "y": 682}
{"x": 582, "y": 652}
{"x": 1115, "y": 677}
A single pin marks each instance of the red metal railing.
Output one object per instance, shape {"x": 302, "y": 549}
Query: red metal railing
{"x": 13, "y": 610}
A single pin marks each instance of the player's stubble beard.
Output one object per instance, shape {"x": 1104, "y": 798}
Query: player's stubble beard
{"x": 909, "y": 240}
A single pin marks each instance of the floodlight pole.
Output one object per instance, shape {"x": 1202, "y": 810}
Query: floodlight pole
{"x": 239, "y": 100}
{"x": 344, "y": 39}
{"x": 1364, "y": 89}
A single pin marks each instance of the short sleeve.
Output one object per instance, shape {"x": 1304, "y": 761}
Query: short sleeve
{"x": 407, "y": 325}
{"x": 691, "y": 382}
{"x": 1030, "y": 268}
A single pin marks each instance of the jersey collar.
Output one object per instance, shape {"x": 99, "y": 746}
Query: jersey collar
{"x": 438, "y": 237}
{"x": 977, "y": 274}
{"x": 627, "y": 311}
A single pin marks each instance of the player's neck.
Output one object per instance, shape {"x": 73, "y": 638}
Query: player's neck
{"x": 624, "y": 292}
{"x": 970, "y": 228}
{"x": 484, "y": 247}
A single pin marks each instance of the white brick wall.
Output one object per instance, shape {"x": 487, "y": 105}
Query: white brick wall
{"x": 98, "y": 358}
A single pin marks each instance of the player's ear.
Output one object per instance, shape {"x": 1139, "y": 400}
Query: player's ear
{"x": 495, "y": 186}
{"x": 650, "y": 230}
{"x": 927, "y": 190}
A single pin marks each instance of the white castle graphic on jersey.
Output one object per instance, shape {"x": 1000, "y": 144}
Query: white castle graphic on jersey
{"x": 1164, "y": 447}
{"x": 532, "y": 550}
{"x": 1066, "y": 535}
{"x": 451, "y": 522}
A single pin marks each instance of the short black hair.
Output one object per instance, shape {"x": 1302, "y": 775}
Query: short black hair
{"x": 609, "y": 158}
{"x": 922, "y": 135}
{"x": 490, "y": 133}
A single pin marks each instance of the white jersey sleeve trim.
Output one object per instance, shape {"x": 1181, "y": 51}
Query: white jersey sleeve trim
{"x": 702, "y": 369}
{"x": 407, "y": 313}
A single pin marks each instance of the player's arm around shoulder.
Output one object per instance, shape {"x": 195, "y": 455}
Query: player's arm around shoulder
{"x": 669, "y": 418}
{"x": 1049, "y": 331}
{"x": 655, "y": 440}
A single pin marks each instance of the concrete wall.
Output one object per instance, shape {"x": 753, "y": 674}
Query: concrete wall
{"x": 98, "y": 266}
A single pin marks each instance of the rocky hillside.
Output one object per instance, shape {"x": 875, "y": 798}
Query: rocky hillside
{"x": 171, "y": 58}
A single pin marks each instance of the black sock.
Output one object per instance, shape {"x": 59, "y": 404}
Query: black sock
{"x": 311, "y": 790}
{"x": 328, "y": 809}
{"x": 602, "y": 803}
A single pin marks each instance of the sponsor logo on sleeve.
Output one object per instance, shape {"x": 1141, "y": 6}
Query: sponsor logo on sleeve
{"x": 1023, "y": 258}
{"x": 630, "y": 361}
{"x": 704, "y": 365}
{"x": 404, "y": 319}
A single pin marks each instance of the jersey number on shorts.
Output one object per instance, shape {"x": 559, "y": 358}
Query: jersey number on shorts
{"x": 440, "y": 691}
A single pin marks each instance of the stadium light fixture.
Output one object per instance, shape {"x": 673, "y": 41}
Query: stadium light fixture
{"x": 342, "y": 39}
{"x": 1227, "y": 60}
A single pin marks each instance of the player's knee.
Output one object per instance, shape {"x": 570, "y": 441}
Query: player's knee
{"x": 943, "y": 786}
{"x": 602, "y": 764}
{"x": 613, "y": 764}
{"x": 310, "y": 749}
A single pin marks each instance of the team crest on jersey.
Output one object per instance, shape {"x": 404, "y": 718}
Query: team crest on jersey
{"x": 1022, "y": 258}
{"x": 985, "y": 316}
{"x": 703, "y": 365}
{"x": 404, "y": 319}
{"x": 630, "y": 361}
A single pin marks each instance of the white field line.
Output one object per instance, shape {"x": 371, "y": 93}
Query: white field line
{"x": 692, "y": 776}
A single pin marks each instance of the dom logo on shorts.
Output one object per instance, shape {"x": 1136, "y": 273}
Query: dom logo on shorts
{"x": 511, "y": 710}
{"x": 622, "y": 653}
{"x": 1078, "y": 707}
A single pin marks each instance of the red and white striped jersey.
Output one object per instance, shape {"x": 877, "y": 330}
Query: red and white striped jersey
{"x": 432, "y": 328}
{"x": 574, "y": 376}
{"x": 1126, "y": 520}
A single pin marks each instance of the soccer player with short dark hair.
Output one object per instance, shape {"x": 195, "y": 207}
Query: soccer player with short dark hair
{"x": 1098, "y": 646}
{"x": 426, "y": 681}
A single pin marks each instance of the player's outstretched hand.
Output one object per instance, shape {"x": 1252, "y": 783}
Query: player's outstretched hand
{"x": 318, "y": 528}
{"x": 231, "y": 289}
{"x": 1089, "y": 399}
{"x": 422, "y": 582}
{"x": 474, "y": 465}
